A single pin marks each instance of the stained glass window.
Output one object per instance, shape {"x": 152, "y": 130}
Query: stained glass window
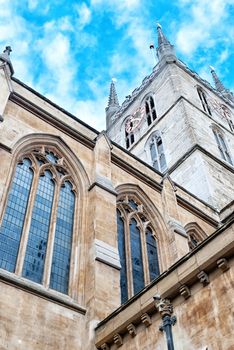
{"x": 39, "y": 230}
{"x": 152, "y": 254}
{"x": 14, "y": 217}
{"x": 135, "y": 240}
{"x": 136, "y": 255}
{"x": 122, "y": 255}
{"x": 32, "y": 240}
{"x": 63, "y": 240}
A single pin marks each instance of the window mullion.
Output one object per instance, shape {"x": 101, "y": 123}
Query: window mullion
{"x": 27, "y": 224}
{"x": 144, "y": 256}
{"x": 51, "y": 235}
{"x": 128, "y": 257}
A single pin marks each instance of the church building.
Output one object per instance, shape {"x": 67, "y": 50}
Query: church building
{"x": 122, "y": 238}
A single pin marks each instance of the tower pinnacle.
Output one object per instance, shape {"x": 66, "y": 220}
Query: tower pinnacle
{"x": 165, "y": 51}
{"x": 220, "y": 87}
{"x": 113, "y": 103}
{"x": 5, "y": 57}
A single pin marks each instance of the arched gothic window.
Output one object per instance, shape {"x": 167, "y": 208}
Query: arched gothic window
{"x": 37, "y": 225}
{"x": 195, "y": 235}
{"x": 222, "y": 146}
{"x": 204, "y": 101}
{"x": 157, "y": 153}
{"x": 137, "y": 246}
{"x": 150, "y": 110}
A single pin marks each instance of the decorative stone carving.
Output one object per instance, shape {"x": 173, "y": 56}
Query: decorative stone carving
{"x": 204, "y": 278}
{"x": 164, "y": 307}
{"x": 105, "y": 347}
{"x": 185, "y": 291}
{"x": 146, "y": 319}
{"x": 118, "y": 340}
{"x": 223, "y": 264}
{"x": 131, "y": 330}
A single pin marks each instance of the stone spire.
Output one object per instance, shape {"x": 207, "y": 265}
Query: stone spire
{"x": 113, "y": 104}
{"x": 165, "y": 51}
{"x": 5, "y": 57}
{"x": 220, "y": 87}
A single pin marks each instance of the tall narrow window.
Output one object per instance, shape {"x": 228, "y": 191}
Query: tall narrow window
{"x": 152, "y": 254}
{"x": 63, "y": 239}
{"x": 39, "y": 230}
{"x": 37, "y": 225}
{"x": 129, "y": 135}
{"x": 157, "y": 153}
{"x": 222, "y": 146}
{"x": 195, "y": 234}
{"x": 150, "y": 110}
{"x": 14, "y": 217}
{"x": 136, "y": 271}
{"x": 122, "y": 255}
{"x": 204, "y": 101}
{"x": 136, "y": 254}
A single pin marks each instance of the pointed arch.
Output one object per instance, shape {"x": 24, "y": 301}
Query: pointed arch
{"x": 155, "y": 151}
{"x": 142, "y": 232}
{"x": 50, "y": 154}
{"x": 195, "y": 234}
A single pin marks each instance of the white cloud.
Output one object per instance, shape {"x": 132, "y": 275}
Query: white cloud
{"x": 84, "y": 14}
{"x": 202, "y": 19}
{"x": 32, "y": 4}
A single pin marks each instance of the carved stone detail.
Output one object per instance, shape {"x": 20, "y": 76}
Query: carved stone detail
{"x": 185, "y": 291}
{"x": 223, "y": 264}
{"x": 131, "y": 329}
{"x": 146, "y": 319}
{"x": 118, "y": 340}
{"x": 105, "y": 347}
{"x": 203, "y": 278}
{"x": 164, "y": 307}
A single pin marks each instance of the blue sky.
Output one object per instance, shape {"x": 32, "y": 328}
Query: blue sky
{"x": 70, "y": 50}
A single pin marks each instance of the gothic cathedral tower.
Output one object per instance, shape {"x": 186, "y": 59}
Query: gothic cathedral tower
{"x": 180, "y": 125}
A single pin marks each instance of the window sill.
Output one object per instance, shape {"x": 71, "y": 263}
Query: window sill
{"x": 37, "y": 289}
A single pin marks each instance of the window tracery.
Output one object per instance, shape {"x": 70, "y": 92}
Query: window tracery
{"x": 137, "y": 246}
{"x": 37, "y": 225}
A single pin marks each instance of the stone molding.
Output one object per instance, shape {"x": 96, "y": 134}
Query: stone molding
{"x": 107, "y": 254}
{"x": 181, "y": 274}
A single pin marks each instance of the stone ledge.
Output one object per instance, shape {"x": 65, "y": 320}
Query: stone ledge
{"x": 40, "y": 291}
{"x": 183, "y": 272}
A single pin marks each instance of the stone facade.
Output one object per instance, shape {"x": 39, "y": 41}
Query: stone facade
{"x": 198, "y": 283}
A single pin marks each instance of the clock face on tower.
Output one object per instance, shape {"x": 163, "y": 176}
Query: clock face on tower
{"x": 220, "y": 108}
{"x": 135, "y": 120}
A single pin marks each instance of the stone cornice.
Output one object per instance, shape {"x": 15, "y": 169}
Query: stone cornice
{"x": 185, "y": 272}
{"x": 49, "y": 118}
{"x": 194, "y": 148}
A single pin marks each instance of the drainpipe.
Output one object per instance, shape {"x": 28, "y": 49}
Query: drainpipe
{"x": 165, "y": 309}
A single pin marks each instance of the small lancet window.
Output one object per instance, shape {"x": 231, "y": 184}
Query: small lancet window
{"x": 137, "y": 248}
{"x": 222, "y": 146}
{"x": 150, "y": 110}
{"x": 204, "y": 101}
{"x": 129, "y": 136}
{"x": 157, "y": 153}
